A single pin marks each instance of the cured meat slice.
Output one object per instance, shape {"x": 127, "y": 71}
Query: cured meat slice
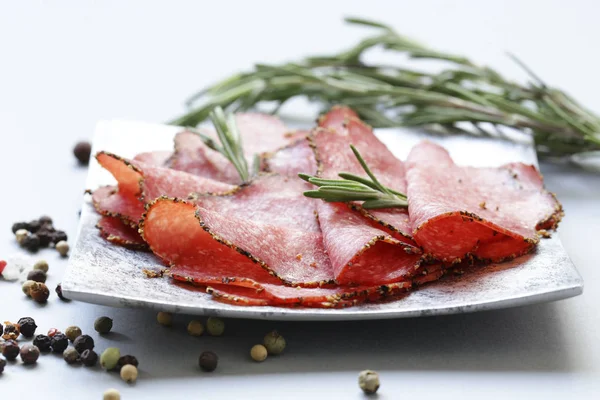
{"x": 292, "y": 159}
{"x": 156, "y": 158}
{"x": 334, "y": 155}
{"x": 116, "y": 231}
{"x": 139, "y": 183}
{"x": 260, "y": 133}
{"x": 492, "y": 214}
{"x": 221, "y": 246}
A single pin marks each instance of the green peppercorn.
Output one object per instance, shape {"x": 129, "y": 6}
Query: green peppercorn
{"x": 39, "y": 292}
{"x": 164, "y": 318}
{"x": 37, "y": 276}
{"x": 103, "y": 325}
{"x": 2, "y": 365}
{"x": 195, "y": 328}
{"x": 89, "y": 358}
{"x": 63, "y": 248}
{"x": 215, "y": 326}
{"x": 27, "y": 326}
{"x": 29, "y": 354}
{"x": 41, "y": 265}
{"x": 43, "y": 342}
{"x": 111, "y": 394}
{"x": 129, "y": 373}
{"x": 83, "y": 342}
{"x": 258, "y": 353}
{"x": 27, "y": 287}
{"x": 208, "y": 361}
{"x": 274, "y": 342}
{"x": 368, "y": 381}
{"x": 10, "y": 349}
{"x": 73, "y": 332}
{"x": 59, "y": 342}
{"x": 110, "y": 358}
{"x": 70, "y": 355}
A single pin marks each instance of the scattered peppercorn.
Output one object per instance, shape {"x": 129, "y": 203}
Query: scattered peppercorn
{"x": 31, "y": 243}
{"x": 103, "y": 324}
{"x": 208, "y": 361}
{"x": 83, "y": 342}
{"x": 21, "y": 235}
{"x": 17, "y": 226}
{"x": 37, "y": 275}
{"x": 27, "y": 287}
{"x": 59, "y": 293}
{"x": 46, "y": 234}
{"x": 11, "y": 331}
{"x": 164, "y": 318}
{"x": 29, "y": 354}
{"x": 111, "y": 394}
{"x": 34, "y": 225}
{"x": 63, "y": 248}
{"x": 89, "y": 358}
{"x": 129, "y": 373}
{"x": 215, "y": 326}
{"x": 110, "y": 358}
{"x": 1, "y": 329}
{"x": 43, "y": 342}
{"x": 27, "y": 326}
{"x": 127, "y": 360}
{"x": 368, "y": 381}
{"x": 258, "y": 353}
{"x": 70, "y": 355}
{"x": 52, "y": 332}
{"x": 195, "y": 328}
{"x": 82, "y": 151}
{"x": 59, "y": 342}
{"x": 59, "y": 236}
{"x": 2, "y": 365}
{"x": 10, "y": 349}
{"x": 39, "y": 292}
{"x": 41, "y": 265}
{"x": 73, "y": 332}
{"x": 274, "y": 342}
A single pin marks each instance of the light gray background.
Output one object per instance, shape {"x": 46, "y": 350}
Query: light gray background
{"x": 64, "y": 65}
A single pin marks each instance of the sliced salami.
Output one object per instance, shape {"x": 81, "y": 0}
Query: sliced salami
{"x": 116, "y": 231}
{"x": 492, "y": 214}
{"x": 156, "y": 158}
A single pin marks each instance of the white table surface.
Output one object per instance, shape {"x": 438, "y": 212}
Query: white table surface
{"x": 67, "y": 64}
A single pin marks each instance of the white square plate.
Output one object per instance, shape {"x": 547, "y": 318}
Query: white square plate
{"x": 102, "y": 273}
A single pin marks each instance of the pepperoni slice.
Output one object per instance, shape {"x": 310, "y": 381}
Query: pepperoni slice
{"x": 116, "y": 231}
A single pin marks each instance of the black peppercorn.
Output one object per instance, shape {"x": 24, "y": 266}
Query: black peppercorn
{"x": 45, "y": 220}
{"x": 36, "y": 275}
{"x": 20, "y": 225}
{"x": 43, "y": 342}
{"x": 1, "y": 329}
{"x": 89, "y": 358}
{"x": 208, "y": 361}
{"x": 33, "y": 226}
{"x": 58, "y": 236}
{"x": 82, "y": 151}
{"x": 128, "y": 359}
{"x": 32, "y": 243}
{"x": 2, "y": 365}
{"x": 11, "y": 331}
{"x": 83, "y": 342}
{"x": 59, "y": 342}
{"x": 29, "y": 354}
{"x": 10, "y": 350}
{"x": 59, "y": 293}
{"x": 46, "y": 236}
{"x": 27, "y": 326}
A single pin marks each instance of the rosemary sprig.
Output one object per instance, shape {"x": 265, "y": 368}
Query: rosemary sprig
{"x": 231, "y": 141}
{"x": 465, "y": 98}
{"x": 355, "y": 188}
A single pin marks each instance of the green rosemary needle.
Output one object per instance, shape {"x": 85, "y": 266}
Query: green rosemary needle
{"x": 231, "y": 141}
{"x": 355, "y": 188}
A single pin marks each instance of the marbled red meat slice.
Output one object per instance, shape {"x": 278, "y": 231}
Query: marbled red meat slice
{"x": 116, "y": 231}
{"x": 155, "y": 158}
{"x": 292, "y": 159}
{"x": 492, "y": 214}
{"x": 269, "y": 221}
{"x": 332, "y": 149}
{"x": 139, "y": 183}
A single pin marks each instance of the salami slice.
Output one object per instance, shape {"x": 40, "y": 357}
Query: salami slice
{"x": 116, "y": 231}
{"x": 292, "y": 159}
{"x": 492, "y": 214}
{"x": 156, "y": 158}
